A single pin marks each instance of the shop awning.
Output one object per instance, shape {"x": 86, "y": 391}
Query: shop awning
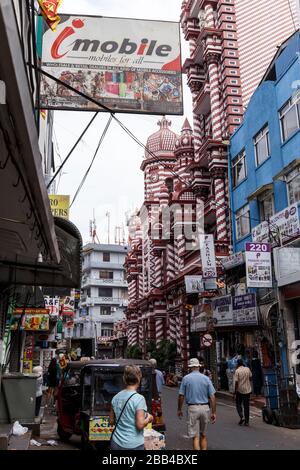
{"x": 260, "y": 191}
{"x": 265, "y": 310}
{"x": 65, "y": 274}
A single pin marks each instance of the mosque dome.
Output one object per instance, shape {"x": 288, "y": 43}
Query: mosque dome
{"x": 162, "y": 140}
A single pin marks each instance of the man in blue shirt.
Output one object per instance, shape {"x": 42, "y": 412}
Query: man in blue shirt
{"x": 198, "y": 392}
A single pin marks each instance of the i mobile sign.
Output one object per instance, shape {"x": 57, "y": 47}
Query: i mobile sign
{"x": 126, "y": 64}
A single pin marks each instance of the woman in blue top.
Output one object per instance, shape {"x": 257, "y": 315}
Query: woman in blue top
{"x": 129, "y": 431}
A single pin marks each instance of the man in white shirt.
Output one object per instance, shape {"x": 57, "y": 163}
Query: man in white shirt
{"x": 242, "y": 391}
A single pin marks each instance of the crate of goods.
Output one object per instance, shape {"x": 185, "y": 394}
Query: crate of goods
{"x": 154, "y": 440}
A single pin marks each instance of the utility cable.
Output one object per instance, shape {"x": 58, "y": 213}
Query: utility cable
{"x": 93, "y": 159}
{"x": 72, "y": 149}
{"x": 134, "y": 138}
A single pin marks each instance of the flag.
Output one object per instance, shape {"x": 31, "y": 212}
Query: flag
{"x": 49, "y": 11}
{"x": 43, "y": 113}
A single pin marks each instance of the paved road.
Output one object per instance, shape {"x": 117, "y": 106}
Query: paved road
{"x": 226, "y": 434}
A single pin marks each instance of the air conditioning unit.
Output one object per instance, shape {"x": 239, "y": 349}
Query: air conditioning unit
{"x": 114, "y": 309}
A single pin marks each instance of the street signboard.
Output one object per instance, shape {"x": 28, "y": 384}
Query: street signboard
{"x": 60, "y": 205}
{"x": 206, "y": 340}
{"x": 208, "y": 257}
{"x": 284, "y": 225}
{"x": 244, "y": 310}
{"x": 222, "y": 311}
{"x": 128, "y": 65}
{"x": 258, "y": 265}
{"x": 193, "y": 284}
{"x": 236, "y": 259}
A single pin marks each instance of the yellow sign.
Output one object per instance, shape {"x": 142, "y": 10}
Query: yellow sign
{"x": 60, "y": 205}
{"x": 100, "y": 429}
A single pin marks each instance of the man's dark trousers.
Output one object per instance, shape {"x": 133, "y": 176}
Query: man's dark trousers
{"x": 243, "y": 405}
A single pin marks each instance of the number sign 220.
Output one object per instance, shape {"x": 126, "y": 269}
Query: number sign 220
{"x": 258, "y": 247}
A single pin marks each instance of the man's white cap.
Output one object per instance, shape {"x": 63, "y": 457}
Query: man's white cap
{"x": 194, "y": 362}
{"x": 153, "y": 362}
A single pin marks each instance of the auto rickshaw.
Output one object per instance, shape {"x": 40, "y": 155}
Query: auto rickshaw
{"x": 84, "y": 399}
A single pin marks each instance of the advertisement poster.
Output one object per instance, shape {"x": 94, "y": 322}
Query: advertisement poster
{"x": 208, "y": 258}
{"x": 284, "y": 225}
{"x": 128, "y": 65}
{"x": 60, "y": 205}
{"x": 52, "y": 305}
{"x": 31, "y": 323}
{"x": 258, "y": 265}
{"x": 222, "y": 311}
{"x": 193, "y": 284}
{"x": 244, "y": 310}
{"x": 236, "y": 259}
{"x": 100, "y": 429}
{"x": 67, "y": 305}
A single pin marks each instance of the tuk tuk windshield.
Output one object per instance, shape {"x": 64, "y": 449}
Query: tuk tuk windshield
{"x": 107, "y": 385}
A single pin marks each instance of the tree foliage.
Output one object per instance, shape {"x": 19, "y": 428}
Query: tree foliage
{"x": 164, "y": 352}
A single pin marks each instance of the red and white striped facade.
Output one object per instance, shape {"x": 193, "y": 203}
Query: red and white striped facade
{"x": 231, "y": 45}
{"x": 156, "y": 265}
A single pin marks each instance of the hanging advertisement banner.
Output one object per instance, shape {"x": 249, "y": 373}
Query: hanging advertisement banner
{"x": 49, "y": 10}
{"x": 52, "y": 305}
{"x": 128, "y": 65}
{"x": 31, "y": 323}
{"x": 244, "y": 310}
{"x": 67, "y": 305}
{"x": 193, "y": 284}
{"x": 258, "y": 265}
{"x": 284, "y": 225}
{"x": 60, "y": 205}
{"x": 208, "y": 258}
{"x": 222, "y": 311}
{"x": 236, "y": 259}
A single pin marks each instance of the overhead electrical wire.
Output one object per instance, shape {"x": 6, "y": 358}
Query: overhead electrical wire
{"x": 136, "y": 139}
{"x": 93, "y": 159}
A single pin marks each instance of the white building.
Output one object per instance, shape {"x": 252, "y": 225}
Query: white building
{"x": 104, "y": 295}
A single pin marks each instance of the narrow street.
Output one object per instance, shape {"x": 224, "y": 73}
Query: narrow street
{"x": 224, "y": 435}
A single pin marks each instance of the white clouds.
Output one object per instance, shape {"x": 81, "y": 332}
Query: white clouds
{"x": 116, "y": 181}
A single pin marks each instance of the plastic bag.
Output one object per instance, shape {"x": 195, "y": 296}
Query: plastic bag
{"x": 18, "y": 429}
{"x": 33, "y": 442}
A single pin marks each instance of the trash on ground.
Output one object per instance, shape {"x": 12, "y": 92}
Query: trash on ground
{"x": 33, "y": 442}
{"x": 18, "y": 429}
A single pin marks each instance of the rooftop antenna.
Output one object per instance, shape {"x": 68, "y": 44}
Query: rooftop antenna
{"x": 108, "y": 226}
{"x": 93, "y": 229}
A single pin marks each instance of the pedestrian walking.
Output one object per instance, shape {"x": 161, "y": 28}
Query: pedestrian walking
{"x": 52, "y": 381}
{"x": 257, "y": 374}
{"x": 203, "y": 369}
{"x": 242, "y": 391}
{"x": 39, "y": 388}
{"x": 198, "y": 392}
{"x": 129, "y": 413}
{"x": 159, "y": 377}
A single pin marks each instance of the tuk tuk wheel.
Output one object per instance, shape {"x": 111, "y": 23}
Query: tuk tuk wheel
{"x": 267, "y": 415}
{"x": 276, "y": 417}
{"x": 63, "y": 435}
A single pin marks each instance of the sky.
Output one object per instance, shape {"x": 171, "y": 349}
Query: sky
{"x": 115, "y": 183}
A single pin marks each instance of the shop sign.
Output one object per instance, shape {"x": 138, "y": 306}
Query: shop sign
{"x": 285, "y": 224}
{"x": 287, "y": 265}
{"x": 67, "y": 305}
{"x": 244, "y": 310}
{"x": 100, "y": 429}
{"x": 31, "y": 323}
{"x": 208, "y": 258}
{"x": 31, "y": 311}
{"x": 193, "y": 284}
{"x": 60, "y": 205}
{"x": 52, "y": 305}
{"x": 234, "y": 260}
{"x": 222, "y": 311}
{"x": 128, "y": 65}
{"x": 258, "y": 265}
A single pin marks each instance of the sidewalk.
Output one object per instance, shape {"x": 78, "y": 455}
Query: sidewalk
{"x": 257, "y": 402}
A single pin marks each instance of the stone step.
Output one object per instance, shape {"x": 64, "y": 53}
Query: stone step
{"x": 20, "y": 442}
{"x": 5, "y": 432}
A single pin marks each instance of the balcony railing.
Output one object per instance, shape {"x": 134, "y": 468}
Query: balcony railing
{"x": 90, "y": 281}
{"x": 90, "y": 301}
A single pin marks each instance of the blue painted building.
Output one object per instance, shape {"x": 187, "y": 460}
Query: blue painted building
{"x": 265, "y": 180}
